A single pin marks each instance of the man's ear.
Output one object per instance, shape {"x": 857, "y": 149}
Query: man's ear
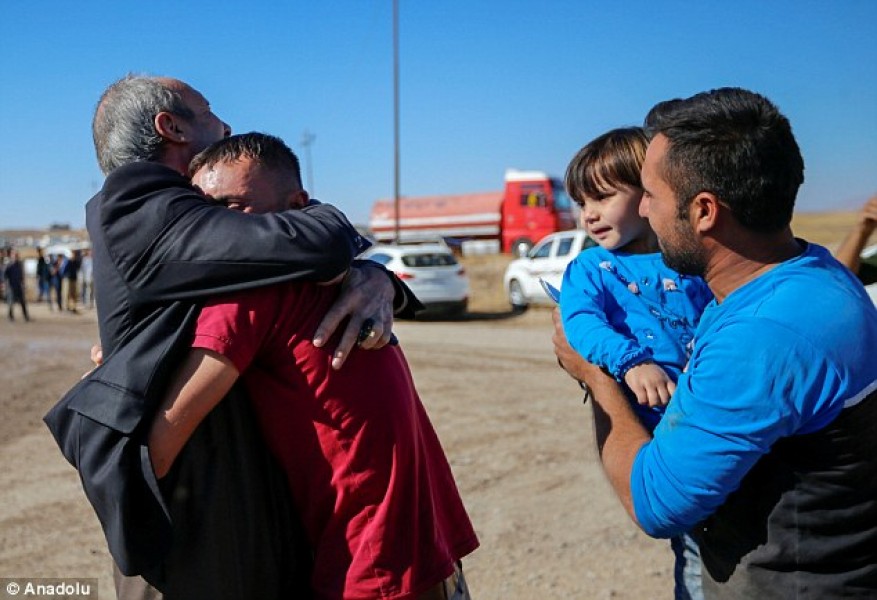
{"x": 703, "y": 211}
{"x": 168, "y": 126}
{"x": 298, "y": 199}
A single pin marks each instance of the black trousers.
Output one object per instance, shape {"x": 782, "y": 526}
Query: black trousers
{"x": 235, "y": 532}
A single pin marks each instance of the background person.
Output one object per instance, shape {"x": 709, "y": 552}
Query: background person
{"x": 5, "y": 259}
{"x": 70, "y": 280}
{"x": 768, "y": 445}
{"x": 13, "y": 276}
{"x": 86, "y": 279}
{"x": 850, "y": 250}
{"x": 43, "y": 277}
{"x": 56, "y": 264}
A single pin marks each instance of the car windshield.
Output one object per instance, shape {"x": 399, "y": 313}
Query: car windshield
{"x": 380, "y": 258}
{"x": 543, "y": 250}
{"x": 429, "y": 260}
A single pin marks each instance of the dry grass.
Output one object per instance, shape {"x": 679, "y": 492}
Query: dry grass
{"x": 485, "y": 272}
{"x": 485, "y": 278}
{"x": 827, "y": 228}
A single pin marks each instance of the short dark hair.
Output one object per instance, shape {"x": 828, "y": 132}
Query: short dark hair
{"x": 268, "y": 150}
{"x": 612, "y": 159}
{"x": 737, "y": 145}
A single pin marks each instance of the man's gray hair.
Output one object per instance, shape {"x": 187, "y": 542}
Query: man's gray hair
{"x": 124, "y": 121}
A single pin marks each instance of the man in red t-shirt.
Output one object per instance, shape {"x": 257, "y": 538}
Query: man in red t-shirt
{"x": 367, "y": 472}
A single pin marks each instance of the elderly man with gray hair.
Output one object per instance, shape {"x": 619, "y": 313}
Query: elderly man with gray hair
{"x": 219, "y": 525}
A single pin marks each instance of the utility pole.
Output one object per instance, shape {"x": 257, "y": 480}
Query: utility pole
{"x": 396, "y": 117}
{"x": 307, "y": 138}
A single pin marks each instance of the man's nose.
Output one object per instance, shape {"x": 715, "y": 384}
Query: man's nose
{"x": 644, "y": 207}
{"x": 226, "y": 130}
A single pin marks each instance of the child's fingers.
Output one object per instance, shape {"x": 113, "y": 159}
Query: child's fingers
{"x": 655, "y": 396}
{"x": 642, "y": 396}
{"x": 664, "y": 394}
{"x": 652, "y": 395}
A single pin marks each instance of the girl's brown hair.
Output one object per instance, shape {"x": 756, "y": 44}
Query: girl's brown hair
{"x": 610, "y": 160}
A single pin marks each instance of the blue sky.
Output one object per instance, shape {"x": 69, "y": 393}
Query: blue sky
{"x": 485, "y": 85}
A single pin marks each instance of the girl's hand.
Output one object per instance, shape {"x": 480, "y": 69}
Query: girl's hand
{"x": 650, "y": 383}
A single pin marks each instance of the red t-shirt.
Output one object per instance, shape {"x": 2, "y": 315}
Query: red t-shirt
{"x": 367, "y": 473}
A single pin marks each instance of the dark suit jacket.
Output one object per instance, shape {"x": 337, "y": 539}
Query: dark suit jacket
{"x": 159, "y": 247}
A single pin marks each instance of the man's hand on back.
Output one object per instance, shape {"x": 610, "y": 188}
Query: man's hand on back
{"x": 366, "y": 293}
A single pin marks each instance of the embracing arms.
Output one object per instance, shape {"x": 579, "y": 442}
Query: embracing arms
{"x": 584, "y": 304}
{"x": 717, "y": 427}
{"x": 167, "y": 242}
{"x": 200, "y": 383}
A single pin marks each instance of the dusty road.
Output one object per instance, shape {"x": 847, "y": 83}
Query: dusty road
{"x": 514, "y": 427}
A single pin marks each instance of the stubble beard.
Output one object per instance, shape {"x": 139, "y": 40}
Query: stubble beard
{"x": 684, "y": 255}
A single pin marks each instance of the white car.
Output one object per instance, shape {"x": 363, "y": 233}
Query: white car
{"x": 547, "y": 260}
{"x": 431, "y": 271}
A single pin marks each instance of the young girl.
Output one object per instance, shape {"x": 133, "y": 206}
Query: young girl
{"x": 623, "y": 308}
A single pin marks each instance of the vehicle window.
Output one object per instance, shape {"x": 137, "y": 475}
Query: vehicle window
{"x": 541, "y": 251}
{"x": 533, "y": 196}
{"x": 429, "y": 260}
{"x": 563, "y": 246}
{"x": 380, "y": 258}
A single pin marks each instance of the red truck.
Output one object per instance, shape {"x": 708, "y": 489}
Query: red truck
{"x": 531, "y": 206}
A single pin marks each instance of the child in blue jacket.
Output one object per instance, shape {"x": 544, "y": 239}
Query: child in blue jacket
{"x": 623, "y": 308}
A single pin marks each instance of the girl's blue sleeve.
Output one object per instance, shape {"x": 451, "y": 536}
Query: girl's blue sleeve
{"x": 587, "y": 328}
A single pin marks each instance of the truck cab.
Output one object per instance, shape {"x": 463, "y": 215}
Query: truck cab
{"x": 530, "y": 206}
{"x": 533, "y": 206}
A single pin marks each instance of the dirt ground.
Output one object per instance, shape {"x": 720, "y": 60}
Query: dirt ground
{"x": 513, "y": 426}
{"x": 518, "y": 437}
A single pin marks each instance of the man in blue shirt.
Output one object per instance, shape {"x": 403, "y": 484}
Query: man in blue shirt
{"x": 767, "y": 448}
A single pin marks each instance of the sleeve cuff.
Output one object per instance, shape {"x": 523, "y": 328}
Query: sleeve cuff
{"x": 633, "y": 358}
{"x": 222, "y": 346}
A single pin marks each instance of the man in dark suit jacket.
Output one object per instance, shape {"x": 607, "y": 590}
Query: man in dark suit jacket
{"x": 159, "y": 248}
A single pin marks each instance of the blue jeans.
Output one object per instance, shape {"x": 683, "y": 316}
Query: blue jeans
{"x": 686, "y": 572}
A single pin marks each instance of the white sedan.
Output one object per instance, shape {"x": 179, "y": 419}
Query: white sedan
{"x": 431, "y": 271}
{"x": 547, "y": 260}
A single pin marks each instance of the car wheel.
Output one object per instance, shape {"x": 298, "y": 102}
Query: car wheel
{"x": 516, "y": 295}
